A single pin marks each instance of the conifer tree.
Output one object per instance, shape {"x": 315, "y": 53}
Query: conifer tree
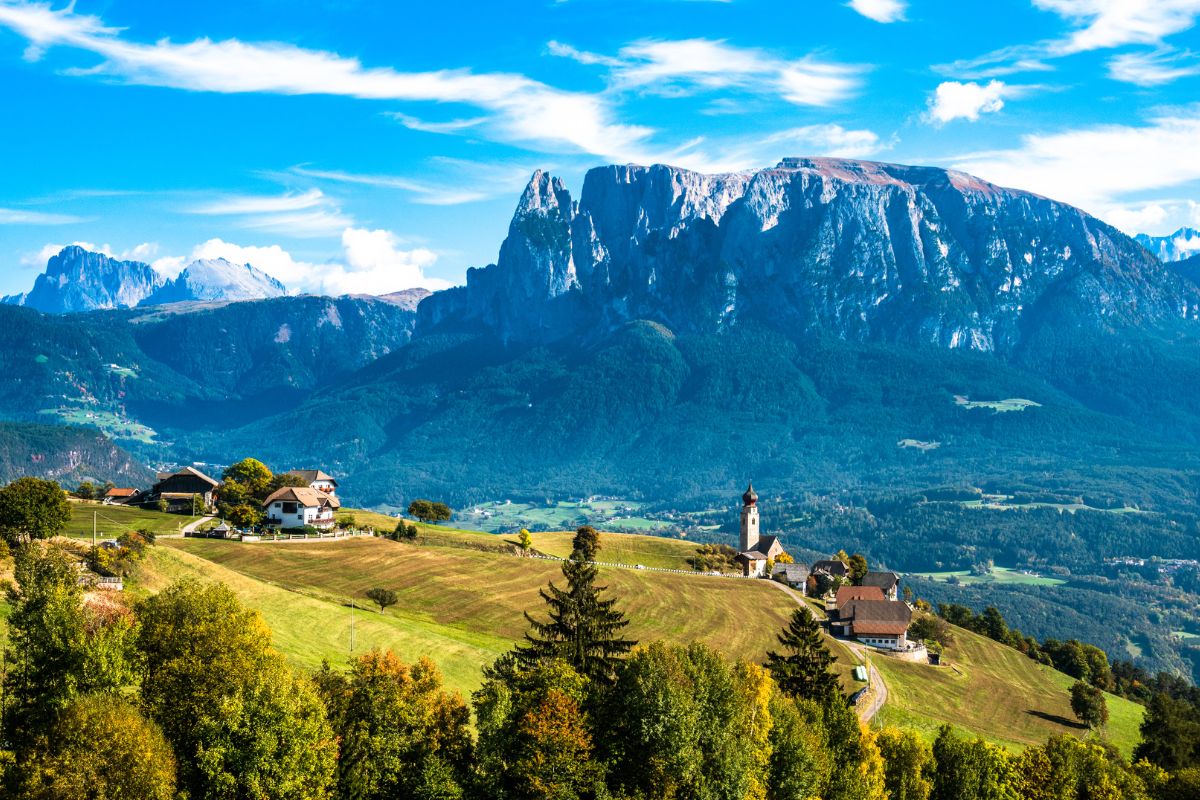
{"x": 803, "y": 670}
{"x": 584, "y": 628}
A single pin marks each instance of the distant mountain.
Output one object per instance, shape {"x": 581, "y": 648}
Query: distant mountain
{"x": 77, "y": 280}
{"x": 66, "y": 454}
{"x": 218, "y": 279}
{"x": 1183, "y": 243}
{"x": 857, "y": 250}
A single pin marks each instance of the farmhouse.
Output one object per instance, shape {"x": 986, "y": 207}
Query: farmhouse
{"x": 846, "y": 594}
{"x": 316, "y": 479}
{"x": 291, "y": 507}
{"x": 834, "y": 569}
{"x": 879, "y": 623}
{"x": 120, "y": 496}
{"x": 181, "y": 489}
{"x": 754, "y": 550}
{"x": 887, "y": 582}
{"x": 794, "y": 575}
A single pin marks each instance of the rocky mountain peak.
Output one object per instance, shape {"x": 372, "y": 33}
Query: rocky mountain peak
{"x": 77, "y": 280}
{"x": 1182, "y": 244}
{"x": 856, "y": 249}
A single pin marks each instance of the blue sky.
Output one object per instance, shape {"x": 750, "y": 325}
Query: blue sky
{"x": 352, "y": 146}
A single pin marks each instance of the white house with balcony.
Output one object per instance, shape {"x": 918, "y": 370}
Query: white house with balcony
{"x": 295, "y": 507}
{"x": 316, "y": 479}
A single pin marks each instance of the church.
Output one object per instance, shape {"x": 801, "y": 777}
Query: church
{"x": 754, "y": 549}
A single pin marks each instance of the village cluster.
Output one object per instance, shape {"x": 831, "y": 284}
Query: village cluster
{"x": 867, "y": 610}
{"x": 190, "y": 491}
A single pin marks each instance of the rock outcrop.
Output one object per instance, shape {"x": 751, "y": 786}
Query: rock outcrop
{"x": 79, "y": 280}
{"x": 218, "y": 279}
{"x": 860, "y": 250}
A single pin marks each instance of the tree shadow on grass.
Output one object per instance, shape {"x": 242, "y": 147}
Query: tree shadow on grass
{"x": 1055, "y": 718}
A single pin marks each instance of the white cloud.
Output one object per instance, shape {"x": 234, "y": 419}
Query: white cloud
{"x": 376, "y": 265}
{"x": 1103, "y": 24}
{"x": 953, "y": 100}
{"x": 301, "y": 214}
{"x": 371, "y": 262}
{"x": 829, "y": 140}
{"x": 1099, "y": 168}
{"x": 143, "y": 252}
{"x": 880, "y": 10}
{"x": 520, "y": 110}
{"x": 423, "y": 193}
{"x": 17, "y": 216}
{"x": 685, "y": 66}
{"x": 1154, "y": 68}
{"x": 1136, "y": 218}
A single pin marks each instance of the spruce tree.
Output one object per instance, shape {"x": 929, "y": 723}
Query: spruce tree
{"x": 584, "y": 628}
{"x": 803, "y": 671}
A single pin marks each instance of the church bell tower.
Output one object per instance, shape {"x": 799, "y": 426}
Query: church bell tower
{"x": 749, "y": 537}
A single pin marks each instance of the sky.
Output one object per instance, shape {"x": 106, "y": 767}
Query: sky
{"x": 347, "y": 146}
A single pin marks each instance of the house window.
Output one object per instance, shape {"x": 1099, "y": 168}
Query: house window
{"x": 289, "y": 508}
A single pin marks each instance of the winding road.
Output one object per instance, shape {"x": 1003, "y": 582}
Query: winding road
{"x": 878, "y": 693}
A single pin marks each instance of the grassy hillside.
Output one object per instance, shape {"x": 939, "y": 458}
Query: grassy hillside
{"x": 622, "y": 548}
{"x": 111, "y": 521}
{"x": 463, "y": 606}
{"x": 995, "y": 692}
{"x": 471, "y": 598}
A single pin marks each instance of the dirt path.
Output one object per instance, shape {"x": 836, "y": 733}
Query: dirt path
{"x": 878, "y": 693}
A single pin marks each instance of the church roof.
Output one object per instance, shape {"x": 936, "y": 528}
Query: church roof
{"x": 751, "y": 496}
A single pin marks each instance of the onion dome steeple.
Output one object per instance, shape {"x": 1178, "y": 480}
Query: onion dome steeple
{"x": 750, "y": 497}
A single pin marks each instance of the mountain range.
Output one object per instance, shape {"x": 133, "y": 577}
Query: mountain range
{"x": 663, "y": 335}
{"x": 77, "y": 280}
{"x": 1180, "y": 245}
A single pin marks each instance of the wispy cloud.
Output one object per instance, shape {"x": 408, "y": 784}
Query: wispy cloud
{"x": 424, "y": 193}
{"x": 519, "y": 109}
{"x": 1099, "y": 168}
{"x": 19, "y": 216}
{"x": 301, "y": 214}
{"x": 1093, "y": 25}
{"x": 1154, "y": 68}
{"x": 753, "y": 152}
{"x": 880, "y": 10}
{"x": 686, "y": 66}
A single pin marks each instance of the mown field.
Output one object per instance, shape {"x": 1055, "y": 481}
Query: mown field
{"x": 111, "y": 521}
{"x": 460, "y": 606}
{"x": 997, "y": 575}
{"x": 464, "y": 606}
{"x": 995, "y": 692}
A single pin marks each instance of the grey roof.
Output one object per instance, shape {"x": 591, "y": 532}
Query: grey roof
{"x": 313, "y": 475}
{"x": 765, "y": 544}
{"x": 793, "y": 572}
{"x": 752, "y": 555}
{"x": 884, "y": 580}
{"x": 830, "y": 567}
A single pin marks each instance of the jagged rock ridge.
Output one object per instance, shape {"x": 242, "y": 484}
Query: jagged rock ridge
{"x": 78, "y": 280}
{"x": 1182, "y": 244}
{"x": 860, "y": 250}
{"x": 218, "y": 279}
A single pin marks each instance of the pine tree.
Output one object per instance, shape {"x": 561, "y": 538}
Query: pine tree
{"x": 584, "y": 628}
{"x": 803, "y": 672}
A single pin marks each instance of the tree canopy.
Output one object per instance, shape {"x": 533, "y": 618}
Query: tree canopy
{"x": 32, "y": 508}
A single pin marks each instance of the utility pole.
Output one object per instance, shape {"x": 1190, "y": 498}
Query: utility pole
{"x": 352, "y": 604}
{"x": 94, "y": 553}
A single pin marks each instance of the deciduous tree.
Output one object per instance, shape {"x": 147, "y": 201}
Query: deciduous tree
{"x": 100, "y": 748}
{"x": 240, "y": 722}
{"x": 32, "y": 508}
{"x": 428, "y": 511}
{"x": 401, "y": 733}
{"x": 908, "y": 764}
{"x": 382, "y": 598}
{"x": 251, "y": 473}
{"x": 1089, "y": 705}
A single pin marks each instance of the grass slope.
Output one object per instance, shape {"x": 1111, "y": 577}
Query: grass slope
{"x": 995, "y": 692}
{"x": 465, "y": 594}
{"x": 112, "y": 521}
{"x": 622, "y": 548}
{"x": 464, "y": 606}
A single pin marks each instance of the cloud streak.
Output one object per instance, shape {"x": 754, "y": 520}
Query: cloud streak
{"x": 689, "y": 66}
{"x": 18, "y": 216}
{"x": 520, "y": 110}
